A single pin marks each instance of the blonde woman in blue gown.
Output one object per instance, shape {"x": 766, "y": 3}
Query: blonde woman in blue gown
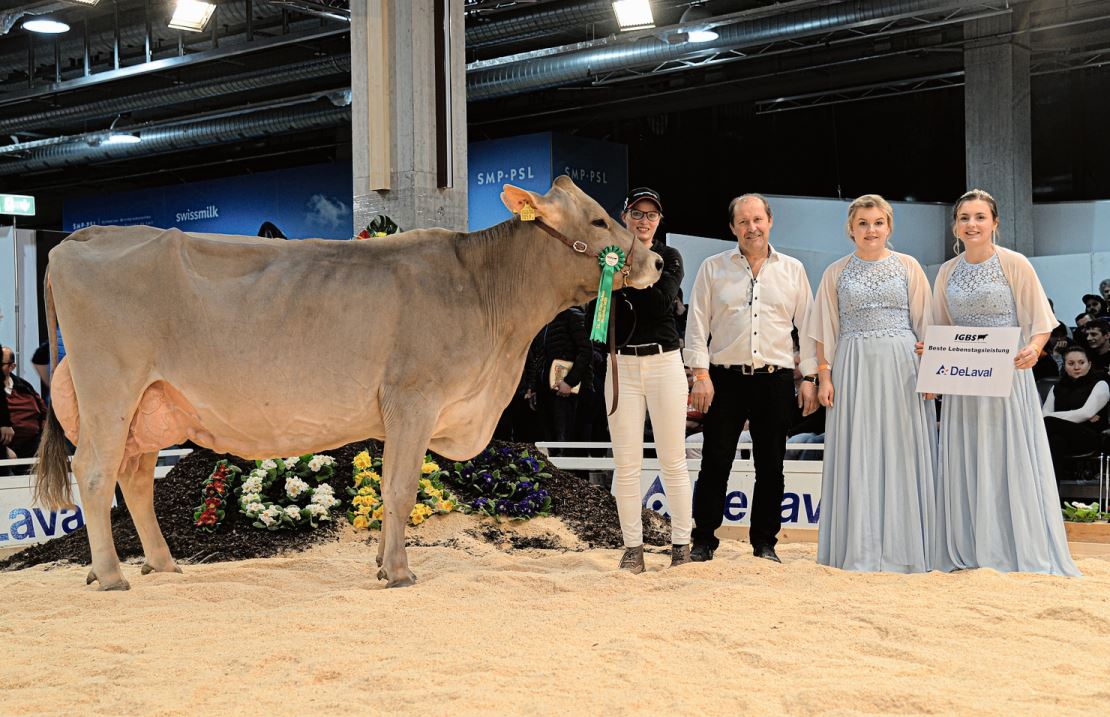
{"x": 877, "y": 485}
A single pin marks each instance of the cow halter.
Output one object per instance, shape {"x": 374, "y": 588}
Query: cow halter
{"x": 581, "y": 247}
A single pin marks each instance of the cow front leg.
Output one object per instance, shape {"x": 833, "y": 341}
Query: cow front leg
{"x": 406, "y": 440}
{"x": 138, "y": 491}
{"x": 96, "y": 502}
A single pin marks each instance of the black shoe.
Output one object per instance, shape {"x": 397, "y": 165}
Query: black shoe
{"x": 701, "y": 553}
{"x": 767, "y": 553}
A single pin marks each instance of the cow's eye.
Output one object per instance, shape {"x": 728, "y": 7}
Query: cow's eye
{"x": 600, "y": 223}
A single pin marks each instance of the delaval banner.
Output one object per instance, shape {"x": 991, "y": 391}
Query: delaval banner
{"x": 533, "y": 162}
{"x": 801, "y": 501}
{"x": 304, "y": 202}
{"x": 23, "y": 523}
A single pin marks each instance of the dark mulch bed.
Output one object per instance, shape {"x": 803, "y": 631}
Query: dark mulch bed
{"x": 590, "y": 512}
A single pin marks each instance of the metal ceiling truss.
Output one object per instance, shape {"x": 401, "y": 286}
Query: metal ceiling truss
{"x": 895, "y": 26}
{"x": 878, "y": 90}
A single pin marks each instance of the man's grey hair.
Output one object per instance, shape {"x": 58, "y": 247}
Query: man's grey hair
{"x": 745, "y": 197}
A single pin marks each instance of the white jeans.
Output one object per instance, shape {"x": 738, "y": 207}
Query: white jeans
{"x": 657, "y": 383}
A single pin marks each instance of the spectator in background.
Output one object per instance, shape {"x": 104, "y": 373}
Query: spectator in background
{"x": 1075, "y": 412}
{"x": 680, "y": 314}
{"x": 41, "y": 361}
{"x": 567, "y": 354}
{"x": 520, "y": 421}
{"x": 22, "y": 412}
{"x": 1098, "y": 341}
{"x": 1104, "y": 289}
{"x": 1095, "y": 305}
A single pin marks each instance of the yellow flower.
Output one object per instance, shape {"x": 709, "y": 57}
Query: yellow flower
{"x": 416, "y": 519}
{"x": 446, "y": 506}
{"x": 364, "y": 509}
{"x": 378, "y": 513}
{"x": 362, "y": 460}
{"x": 366, "y": 490}
{"x": 429, "y": 467}
{"x": 360, "y": 522}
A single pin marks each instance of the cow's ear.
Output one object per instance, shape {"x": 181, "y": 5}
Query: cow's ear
{"x": 516, "y": 198}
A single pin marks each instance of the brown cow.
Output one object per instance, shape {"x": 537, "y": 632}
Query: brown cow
{"x": 266, "y": 348}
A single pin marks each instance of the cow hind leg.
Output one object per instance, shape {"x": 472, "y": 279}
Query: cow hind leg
{"x": 407, "y": 433}
{"x": 138, "y": 491}
{"x": 97, "y": 487}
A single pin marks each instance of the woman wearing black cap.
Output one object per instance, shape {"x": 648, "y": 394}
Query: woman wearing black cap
{"x": 651, "y": 376}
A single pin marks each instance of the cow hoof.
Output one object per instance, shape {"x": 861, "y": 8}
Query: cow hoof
{"x": 121, "y": 585}
{"x": 90, "y": 578}
{"x": 404, "y": 582}
{"x": 378, "y": 560}
{"x": 147, "y": 569}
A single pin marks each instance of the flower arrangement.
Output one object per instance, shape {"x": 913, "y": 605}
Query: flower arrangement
{"x": 209, "y": 514}
{"x": 1083, "y": 513}
{"x": 380, "y": 227}
{"x": 507, "y": 481}
{"x": 367, "y": 506}
{"x": 288, "y": 493}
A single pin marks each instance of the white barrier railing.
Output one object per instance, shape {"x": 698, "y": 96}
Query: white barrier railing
{"x": 22, "y": 523}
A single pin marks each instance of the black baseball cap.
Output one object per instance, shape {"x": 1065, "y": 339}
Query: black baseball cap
{"x": 1086, "y": 297}
{"x": 642, "y": 193}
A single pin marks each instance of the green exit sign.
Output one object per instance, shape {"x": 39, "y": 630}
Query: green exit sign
{"x": 19, "y": 204}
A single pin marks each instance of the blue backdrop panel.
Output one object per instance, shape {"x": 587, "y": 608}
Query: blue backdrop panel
{"x": 524, "y": 161}
{"x": 303, "y": 202}
{"x": 599, "y": 168}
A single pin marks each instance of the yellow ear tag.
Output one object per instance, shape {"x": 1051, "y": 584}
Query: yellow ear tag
{"x": 527, "y": 213}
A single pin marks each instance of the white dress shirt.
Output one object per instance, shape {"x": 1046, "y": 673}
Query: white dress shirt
{"x": 749, "y": 318}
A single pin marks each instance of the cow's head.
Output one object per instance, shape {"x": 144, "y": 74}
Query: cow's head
{"x": 578, "y": 217}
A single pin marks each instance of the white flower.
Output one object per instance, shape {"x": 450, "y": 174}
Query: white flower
{"x": 324, "y": 498}
{"x": 269, "y": 465}
{"x": 317, "y": 510}
{"x": 248, "y": 498}
{"x": 291, "y": 463}
{"x": 294, "y": 487}
{"x": 252, "y": 484}
{"x": 259, "y": 473}
{"x": 318, "y": 462}
{"x": 293, "y": 511}
{"x": 253, "y": 509}
{"x": 270, "y": 515}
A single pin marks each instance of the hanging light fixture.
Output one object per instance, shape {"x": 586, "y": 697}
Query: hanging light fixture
{"x": 191, "y": 15}
{"x": 633, "y": 14}
{"x": 46, "y": 24}
{"x": 693, "y": 14}
{"x": 116, "y": 136}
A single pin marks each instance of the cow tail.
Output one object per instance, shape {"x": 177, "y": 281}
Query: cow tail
{"x": 52, "y": 488}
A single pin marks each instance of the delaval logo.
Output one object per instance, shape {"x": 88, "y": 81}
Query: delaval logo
{"x": 971, "y": 338}
{"x": 581, "y": 174}
{"x": 513, "y": 174}
{"x": 963, "y": 371}
{"x": 209, "y": 212}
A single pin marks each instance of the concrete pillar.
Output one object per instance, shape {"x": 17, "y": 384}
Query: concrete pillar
{"x": 408, "y": 131}
{"x": 997, "y": 127}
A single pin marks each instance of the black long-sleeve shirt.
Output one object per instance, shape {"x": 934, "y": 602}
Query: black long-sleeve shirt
{"x": 646, "y": 316}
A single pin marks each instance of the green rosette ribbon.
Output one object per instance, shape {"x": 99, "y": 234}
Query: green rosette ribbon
{"x": 611, "y": 260}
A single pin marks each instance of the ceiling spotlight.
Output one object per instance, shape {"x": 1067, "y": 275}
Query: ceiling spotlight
{"x": 117, "y": 137}
{"x": 191, "y": 15}
{"x": 633, "y": 14}
{"x": 696, "y": 13}
{"x": 45, "y": 24}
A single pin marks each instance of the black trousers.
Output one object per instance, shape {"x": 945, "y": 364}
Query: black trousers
{"x": 765, "y": 400}
{"x": 558, "y": 414}
{"x": 1066, "y": 440}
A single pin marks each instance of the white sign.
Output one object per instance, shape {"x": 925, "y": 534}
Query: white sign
{"x": 968, "y": 360}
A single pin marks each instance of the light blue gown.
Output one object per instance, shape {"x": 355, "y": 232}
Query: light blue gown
{"x": 997, "y": 502}
{"x": 877, "y": 486}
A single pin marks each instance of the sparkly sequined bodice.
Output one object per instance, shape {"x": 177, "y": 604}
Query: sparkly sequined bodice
{"x": 874, "y": 298}
{"x": 979, "y": 295}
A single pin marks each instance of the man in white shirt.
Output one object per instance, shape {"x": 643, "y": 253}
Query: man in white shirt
{"x": 744, "y": 305}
